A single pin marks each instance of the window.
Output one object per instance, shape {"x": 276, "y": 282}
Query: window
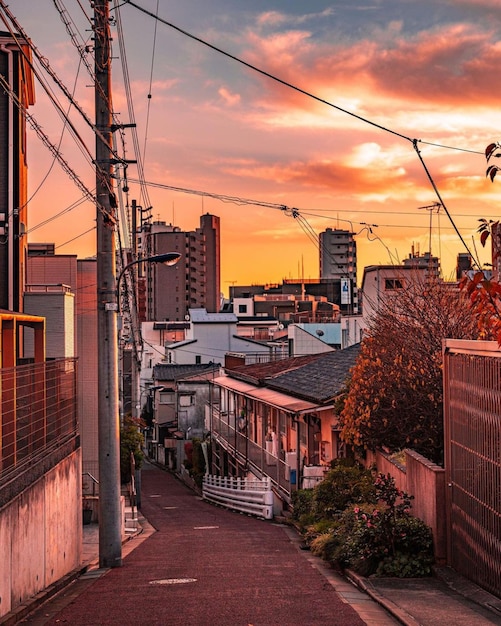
{"x": 393, "y": 283}
{"x": 166, "y": 397}
{"x": 186, "y": 400}
{"x": 242, "y": 308}
{"x": 198, "y": 360}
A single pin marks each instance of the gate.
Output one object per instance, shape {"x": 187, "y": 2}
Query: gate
{"x": 472, "y": 430}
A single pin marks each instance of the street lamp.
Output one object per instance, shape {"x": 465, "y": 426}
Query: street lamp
{"x": 168, "y": 258}
{"x": 110, "y": 540}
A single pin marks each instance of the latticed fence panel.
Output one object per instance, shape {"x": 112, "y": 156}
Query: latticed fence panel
{"x": 472, "y": 392}
{"x": 38, "y": 413}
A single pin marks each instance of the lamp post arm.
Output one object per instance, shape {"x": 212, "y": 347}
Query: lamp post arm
{"x": 169, "y": 258}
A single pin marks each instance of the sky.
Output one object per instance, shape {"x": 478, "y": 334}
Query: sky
{"x": 302, "y": 116}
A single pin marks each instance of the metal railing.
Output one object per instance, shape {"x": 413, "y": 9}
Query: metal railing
{"x": 246, "y": 495}
{"x": 251, "y": 454}
{"x": 472, "y": 407}
{"x": 38, "y": 413}
{"x": 93, "y": 481}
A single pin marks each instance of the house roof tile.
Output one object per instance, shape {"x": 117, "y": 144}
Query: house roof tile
{"x": 315, "y": 377}
{"x": 320, "y": 380}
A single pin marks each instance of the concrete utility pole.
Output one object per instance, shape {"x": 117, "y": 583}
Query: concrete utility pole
{"x": 110, "y": 540}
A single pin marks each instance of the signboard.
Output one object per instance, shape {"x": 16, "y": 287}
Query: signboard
{"x": 345, "y": 291}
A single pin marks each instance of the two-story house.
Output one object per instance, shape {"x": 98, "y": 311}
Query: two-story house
{"x": 279, "y": 419}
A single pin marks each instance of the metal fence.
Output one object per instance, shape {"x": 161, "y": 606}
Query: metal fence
{"x": 38, "y": 412}
{"x": 246, "y": 495}
{"x": 472, "y": 394}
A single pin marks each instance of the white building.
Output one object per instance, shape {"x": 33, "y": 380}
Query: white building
{"x": 209, "y": 337}
{"x": 382, "y": 282}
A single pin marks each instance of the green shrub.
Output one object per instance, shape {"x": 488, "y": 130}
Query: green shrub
{"x": 326, "y": 546}
{"x": 302, "y": 507}
{"x": 343, "y": 485}
{"x": 352, "y": 519}
{"x": 196, "y": 463}
{"x": 385, "y": 540}
{"x": 131, "y": 442}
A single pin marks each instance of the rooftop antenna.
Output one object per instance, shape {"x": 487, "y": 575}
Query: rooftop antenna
{"x": 435, "y": 207}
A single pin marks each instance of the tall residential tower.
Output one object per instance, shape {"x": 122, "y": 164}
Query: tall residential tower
{"x": 338, "y": 260}
{"x": 195, "y": 281}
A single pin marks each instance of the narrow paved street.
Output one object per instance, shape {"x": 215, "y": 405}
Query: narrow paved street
{"x": 206, "y": 566}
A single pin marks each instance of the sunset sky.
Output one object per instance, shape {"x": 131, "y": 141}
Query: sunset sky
{"x": 363, "y": 80}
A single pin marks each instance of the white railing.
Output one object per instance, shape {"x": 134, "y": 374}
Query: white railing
{"x": 247, "y": 495}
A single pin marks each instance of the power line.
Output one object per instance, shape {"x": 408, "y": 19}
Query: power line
{"x": 288, "y": 84}
{"x": 322, "y": 101}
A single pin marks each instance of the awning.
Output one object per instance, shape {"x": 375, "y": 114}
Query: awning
{"x": 268, "y": 396}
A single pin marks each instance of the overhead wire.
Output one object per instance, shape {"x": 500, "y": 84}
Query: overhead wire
{"x": 38, "y": 129}
{"x": 45, "y": 177}
{"x": 89, "y": 230}
{"x": 144, "y": 193}
{"x": 305, "y": 226}
{"x": 151, "y": 83}
{"x": 289, "y": 85}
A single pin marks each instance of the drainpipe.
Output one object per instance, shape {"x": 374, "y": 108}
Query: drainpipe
{"x": 299, "y": 472}
{"x": 10, "y": 185}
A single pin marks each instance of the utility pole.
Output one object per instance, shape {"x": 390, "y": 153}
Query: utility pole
{"x": 110, "y": 540}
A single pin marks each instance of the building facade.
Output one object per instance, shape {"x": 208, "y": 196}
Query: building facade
{"x": 16, "y": 86}
{"x": 194, "y": 282}
{"x": 278, "y": 420}
{"x": 60, "y": 281}
{"x": 338, "y": 260}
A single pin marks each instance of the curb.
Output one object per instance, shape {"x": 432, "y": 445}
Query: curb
{"x": 35, "y": 602}
{"x": 365, "y": 585}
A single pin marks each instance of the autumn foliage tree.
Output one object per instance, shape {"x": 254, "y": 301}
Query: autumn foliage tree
{"x": 483, "y": 290}
{"x": 394, "y": 399}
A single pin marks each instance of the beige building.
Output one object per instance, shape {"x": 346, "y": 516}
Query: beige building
{"x": 53, "y": 280}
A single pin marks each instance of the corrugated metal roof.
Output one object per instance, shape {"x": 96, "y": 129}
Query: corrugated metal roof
{"x": 172, "y": 371}
{"x": 198, "y": 316}
{"x": 269, "y": 396}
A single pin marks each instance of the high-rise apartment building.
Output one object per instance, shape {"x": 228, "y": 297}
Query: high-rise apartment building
{"x": 338, "y": 254}
{"x": 338, "y": 260}
{"x": 16, "y": 88}
{"x": 194, "y": 282}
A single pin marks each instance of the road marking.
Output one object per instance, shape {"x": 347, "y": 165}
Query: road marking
{"x": 173, "y": 581}
{"x": 155, "y": 495}
{"x": 170, "y": 508}
{"x": 204, "y": 527}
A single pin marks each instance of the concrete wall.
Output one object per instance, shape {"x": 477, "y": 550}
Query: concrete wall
{"x": 424, "y": 480}
{"x": 41, "y": 534}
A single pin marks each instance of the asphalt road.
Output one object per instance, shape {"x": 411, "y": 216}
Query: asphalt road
{"x": 205, "y": 566}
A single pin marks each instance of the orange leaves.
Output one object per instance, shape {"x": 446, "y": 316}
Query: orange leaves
{"x": 395, "y": 392}
{"x": 492, "y": 150}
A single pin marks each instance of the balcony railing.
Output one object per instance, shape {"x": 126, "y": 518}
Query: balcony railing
{"x": 250, "y": 454}
{"x": 38, "y": 413}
